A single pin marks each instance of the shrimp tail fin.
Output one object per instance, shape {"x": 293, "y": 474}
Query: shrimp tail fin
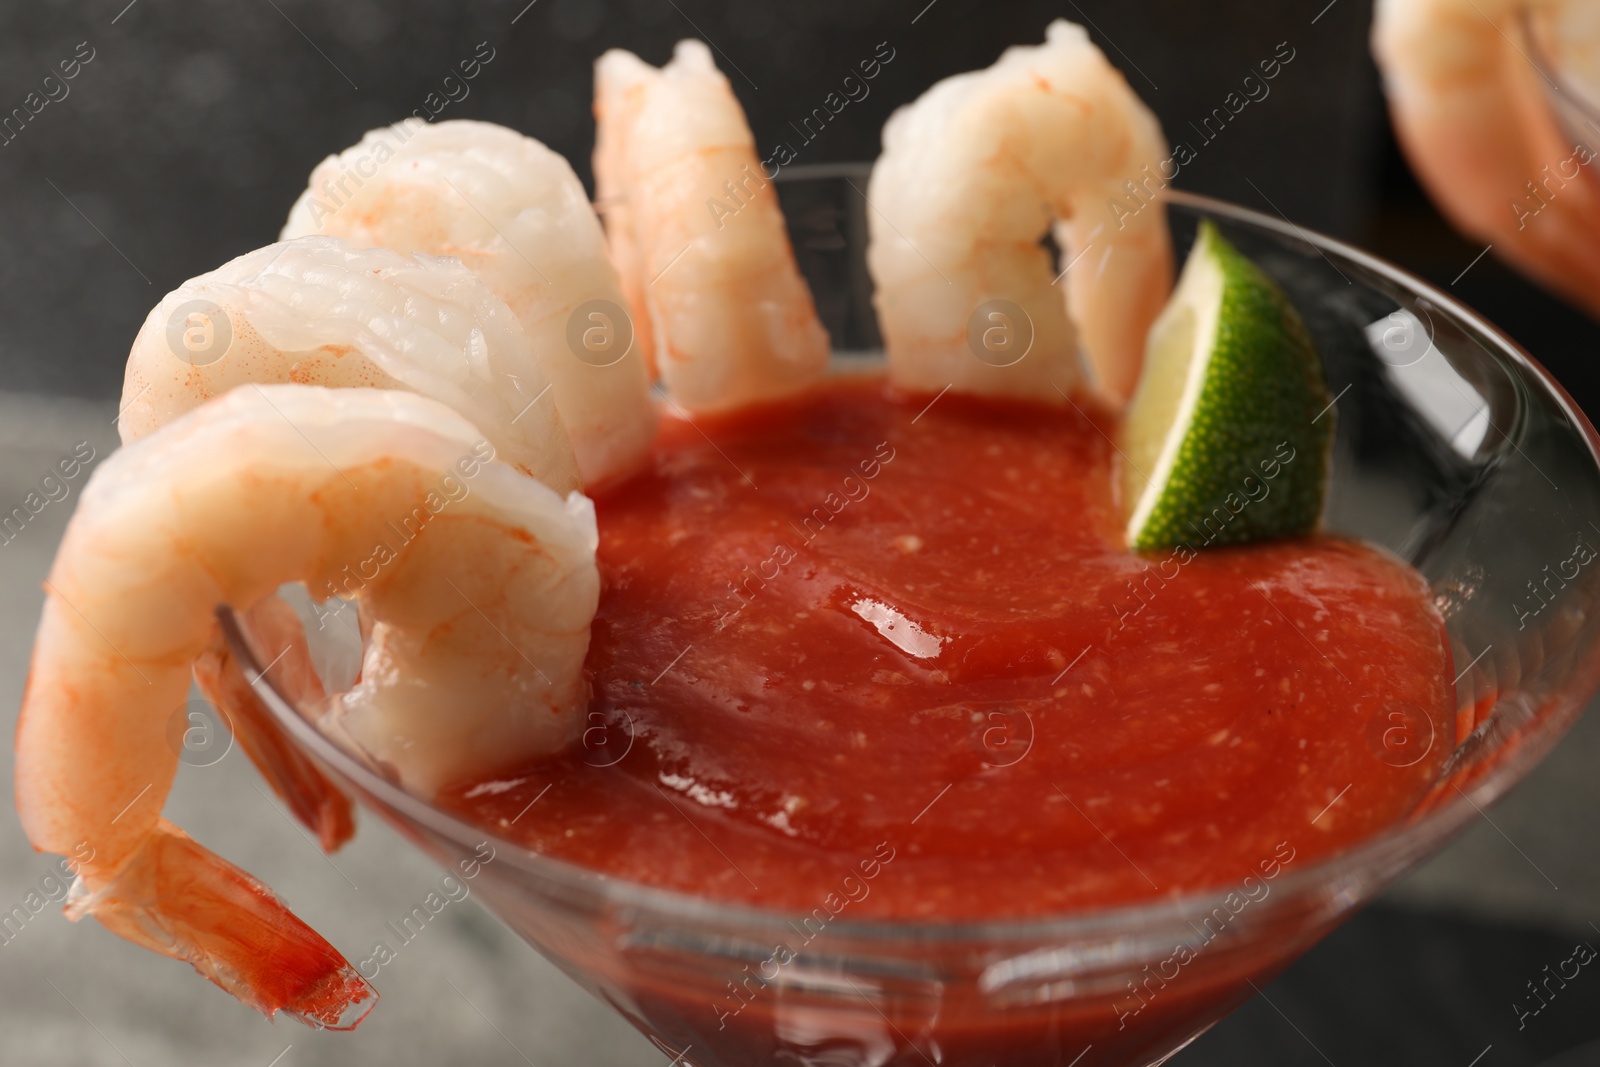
{"x": 311, "y": 797}
{"x": 180, "y": 899}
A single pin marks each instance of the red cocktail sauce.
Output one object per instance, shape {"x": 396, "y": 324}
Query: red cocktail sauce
{"x": 862, "y": 654}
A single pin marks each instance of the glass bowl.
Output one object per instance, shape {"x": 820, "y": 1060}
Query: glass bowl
{"x": 1455, "y": 451}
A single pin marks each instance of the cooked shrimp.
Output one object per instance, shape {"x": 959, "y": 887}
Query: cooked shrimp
{"x": 1470, "y": 110}
{"x": 971, "y": 177}
{"x": 697, "y": 234}
{"x": 480, "y": 584}
{"x": 612, "y": 132}
{"x": 515, "y": 213}
{"x": 314, "y": 310}
{"x": 318, "y": 312}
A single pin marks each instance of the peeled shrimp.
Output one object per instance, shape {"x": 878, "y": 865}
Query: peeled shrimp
{"x": 1470, "y": 110}
{"x": 697, "y": 235}
{"x": 972, "y": 175}
{"x": 318, "y": 312}
{"x": 515, "y": 214}
{"x": 315, "y": 310}
{"x": 480, "y": 584}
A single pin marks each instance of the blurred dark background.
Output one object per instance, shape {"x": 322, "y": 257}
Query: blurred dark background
{"x": 186, "y": 137}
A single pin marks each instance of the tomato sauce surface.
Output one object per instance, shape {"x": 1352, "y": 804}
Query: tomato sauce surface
{"x": 892, "y": 656}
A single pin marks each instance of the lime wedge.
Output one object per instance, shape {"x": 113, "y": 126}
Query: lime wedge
{"x": 1227, "y": 436}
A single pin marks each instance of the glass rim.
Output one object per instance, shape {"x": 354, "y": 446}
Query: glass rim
{"x": 1377, "y": 853}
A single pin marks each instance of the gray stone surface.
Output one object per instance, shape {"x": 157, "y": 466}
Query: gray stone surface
{"x": 466, "y": 990}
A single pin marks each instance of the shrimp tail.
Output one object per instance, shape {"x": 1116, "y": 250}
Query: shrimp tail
{"x": 310, "y": 796}
{"x": 180, "y": 899}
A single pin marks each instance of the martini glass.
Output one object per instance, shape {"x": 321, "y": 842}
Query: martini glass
{"x": 1455, "y": 451}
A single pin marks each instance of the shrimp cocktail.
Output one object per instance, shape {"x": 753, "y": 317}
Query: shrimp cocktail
{"x": 1034, "y": 618}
